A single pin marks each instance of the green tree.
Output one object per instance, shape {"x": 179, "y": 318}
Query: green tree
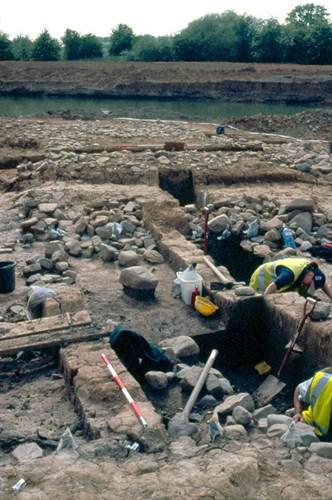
{"x": 72, "y": 43}
{"x": 308, "y": 15}
{"x": 321, "y": 52}
{"x": 91, "y": 47}
{"x": 268, "y": 46}
{"x": 46, "y": 48}
{"x": 22, "y": 48}
{"x": 225, "y": 37}
{"x": 307, "y": 35}
{"x": 150, "y": 48}
{"x": 202, "y": 40}
{"x": 166, "y": 48}
{"x": 121, "y": 39}
{"x": 6, "y": 52}
{"x": 245, "y": 28}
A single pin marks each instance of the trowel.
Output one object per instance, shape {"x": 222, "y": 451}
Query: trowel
{"x": 273, "y": 385}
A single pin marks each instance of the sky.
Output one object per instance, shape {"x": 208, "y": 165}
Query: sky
{"x": 154, "y": 17}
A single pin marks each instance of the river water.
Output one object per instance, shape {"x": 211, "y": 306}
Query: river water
{"x": 167, "y": 109}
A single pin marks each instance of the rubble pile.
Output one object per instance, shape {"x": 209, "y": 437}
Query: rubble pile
{"x": 306, "y": 124}
{"x": 111, "y": 230}
{"x": 258, "y": 222}
{"x": 119, "y": 151}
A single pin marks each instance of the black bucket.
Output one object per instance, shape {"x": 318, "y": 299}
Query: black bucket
{"x": 7, "y": 276}
{"x": 220, "y": 130}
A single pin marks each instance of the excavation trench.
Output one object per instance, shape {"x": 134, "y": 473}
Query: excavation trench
{"x": 228, "y": 252}
{"x": 252, "y": 334}
{"x": 241, "y": 345}
{"x": 179, "y": 183}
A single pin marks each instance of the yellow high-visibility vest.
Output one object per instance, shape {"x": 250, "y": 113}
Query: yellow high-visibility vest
{"x": 266, "y": 273}
{"x": 319, "y": 411}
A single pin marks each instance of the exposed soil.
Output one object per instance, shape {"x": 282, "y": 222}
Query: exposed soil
{"x": 230, "y": 81}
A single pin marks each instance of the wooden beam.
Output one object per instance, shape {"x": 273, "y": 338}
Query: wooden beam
{"x": 49, "y": 324}
{"x": 51, "y": 339}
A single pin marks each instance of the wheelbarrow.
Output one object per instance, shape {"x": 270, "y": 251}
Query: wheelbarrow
{"x": 273, "y": 385}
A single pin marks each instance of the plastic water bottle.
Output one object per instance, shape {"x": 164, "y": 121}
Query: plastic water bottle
{"x": 288, "y": 238}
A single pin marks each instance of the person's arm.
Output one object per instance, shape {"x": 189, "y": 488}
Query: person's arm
{"x": 297, "y": 405}
{"x": 327, "y": 290}
{"x": 272, "y": 288}
{"x": 285, "y": 278}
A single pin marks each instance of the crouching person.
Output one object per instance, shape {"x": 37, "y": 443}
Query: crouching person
{"x": 289, "y": 275}
{"x": 313, "y": 403}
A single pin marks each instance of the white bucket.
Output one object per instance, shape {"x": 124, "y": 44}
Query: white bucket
{"x": 188, "y": 286}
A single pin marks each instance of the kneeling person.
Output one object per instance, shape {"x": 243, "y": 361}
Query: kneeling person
{"x": 316, "y": 394}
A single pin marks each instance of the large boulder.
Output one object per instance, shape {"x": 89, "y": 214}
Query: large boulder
{"x": 73, "y": 247}
{"x": 262, "y": 251}
{"x": 235, "y": 432}
{"x": 244, "y": 291}
{"x": 274, "y": 223}
{"x": 183, "y": 346}
{"x": 153, "y": 257}
{"x": 264, "y": 411}
{"x": 241, "y": 415}
{"x": 48, "y": 208}
{"x": 218, "y": 224}
{"x": 303, "y": 204}
{"x": 138, "y": 282}
{"x": 190, "y": 377}
{"x": 218, "y": 387}
{"x": 157, "y": 380}
{"x": 108, "y": 253}
{"x": 306, "y": 433}
{"x": 274, "y": 419}
{"x": 81, "y": 225}
{"x": 321, "y": 312}
{"x": 105, "y": 232}
{"x": 242, "y": 399}
{"x": 128, "y": 258}
{"x": 302, "y": 220}
{"x": 277, "y": 430}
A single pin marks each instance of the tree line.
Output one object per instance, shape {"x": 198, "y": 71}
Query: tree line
{"x": 305, "y": 38}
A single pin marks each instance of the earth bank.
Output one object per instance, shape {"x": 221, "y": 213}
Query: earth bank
{"x": 230, "y": 81}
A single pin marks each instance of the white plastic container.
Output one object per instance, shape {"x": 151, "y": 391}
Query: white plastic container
{"x": 189, "y": 280}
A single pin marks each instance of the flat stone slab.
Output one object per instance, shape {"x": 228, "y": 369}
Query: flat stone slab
{"x": 322, "y": 449}
{"x": 27, "y": 451}
{"x": 242, "y": 399}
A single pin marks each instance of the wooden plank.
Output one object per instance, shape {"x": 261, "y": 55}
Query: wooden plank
{"x": 51, "y": 339}
{"x": 50, "y": 324}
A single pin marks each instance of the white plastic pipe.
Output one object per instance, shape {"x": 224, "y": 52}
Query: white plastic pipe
{"x": 216, "y": 271}
{"x": 199, "y": 384}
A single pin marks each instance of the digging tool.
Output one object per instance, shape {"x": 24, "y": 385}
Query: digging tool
{"x": 225, "y": 281}
{"x": 306, "y": 313}
{"x": 206, "y": 229}
{"x": 179, "y": 425}
{"x": 273, "y": 385}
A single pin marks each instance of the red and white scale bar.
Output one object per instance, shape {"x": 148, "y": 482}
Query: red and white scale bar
{"x": 124, "y": 391}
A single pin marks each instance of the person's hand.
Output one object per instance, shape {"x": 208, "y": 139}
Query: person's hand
{"x": 298, "y": 417}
